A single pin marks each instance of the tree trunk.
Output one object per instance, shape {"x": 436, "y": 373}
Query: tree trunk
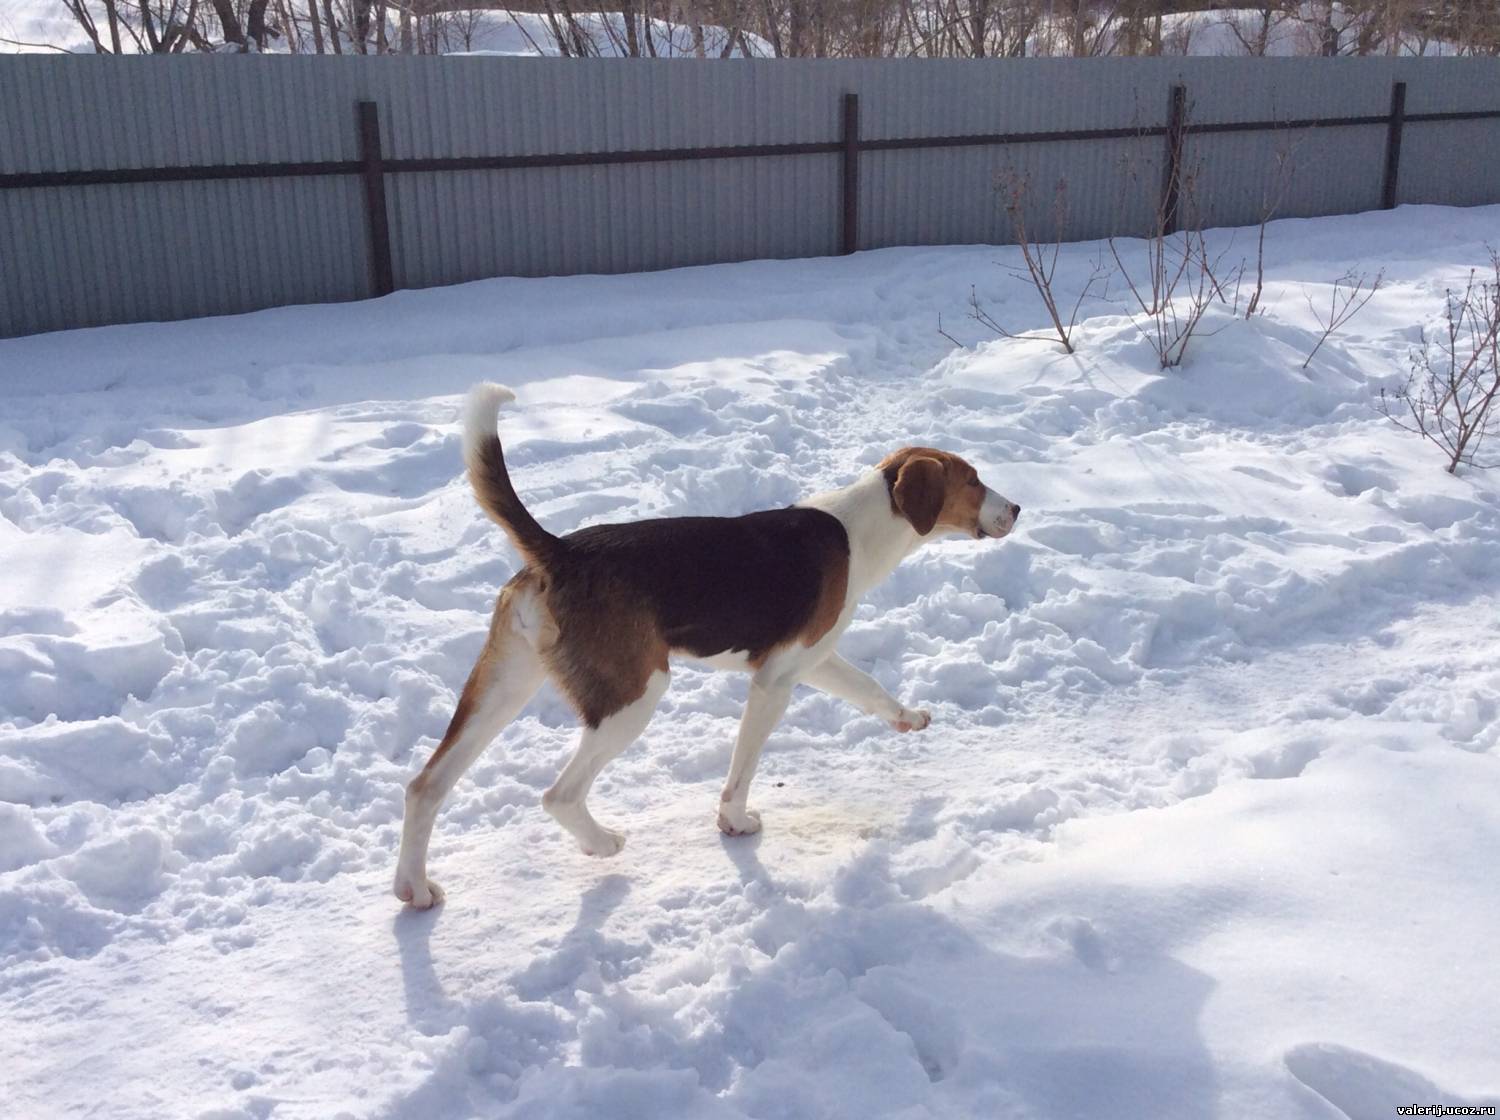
{"x": 255, "y": 23}
{"x": 646, "y": 30}
{"x": 290, "y": 29}
{"x": 114, "y": 26}
{"x": 632, "y": 37}
{"x": 331, "y": 22}
{"x": 229, "y": 23}
{"x": 317, "y": 26}
{"x": 1328, "y": 34}
{"x": 771, "y": 23}
{"x": 148, "y": 25}
{"x": 797, "y": 30}
{"x": 359, "y": 29}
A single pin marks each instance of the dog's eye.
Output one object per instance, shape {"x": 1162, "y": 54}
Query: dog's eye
{"x": 975, "y": 482}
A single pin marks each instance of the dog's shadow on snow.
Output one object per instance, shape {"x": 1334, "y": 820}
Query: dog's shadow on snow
{"x": 428, "y": 1007}
{"x": 741, "y": 851}
{"x": 861, "y": 996}
{"x": 1094, "y": 1021}
{"x": 581, "y": 950}
{"x": 584, "y": 956}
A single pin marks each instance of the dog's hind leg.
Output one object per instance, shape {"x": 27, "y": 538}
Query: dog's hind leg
{"x": 508, "y": 673}
{"x": 566, "y": 800}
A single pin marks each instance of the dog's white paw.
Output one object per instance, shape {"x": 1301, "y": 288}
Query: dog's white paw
{"x": 738, "y": 822}
{"x": 602, "y": 842}
{"x": 910, "y": 720}
{"x": 419, "y": 896}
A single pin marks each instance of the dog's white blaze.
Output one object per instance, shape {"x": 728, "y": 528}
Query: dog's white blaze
{"x": 995, "y": 516}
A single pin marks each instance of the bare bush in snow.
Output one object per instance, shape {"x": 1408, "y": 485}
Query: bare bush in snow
{"x": 1039, "y": 255}
{"x": 1450, "y": 396}
{"x": 1349, "y": 295}
{"x": 1173, "y": 287}
{"x": 1270, "y": 201}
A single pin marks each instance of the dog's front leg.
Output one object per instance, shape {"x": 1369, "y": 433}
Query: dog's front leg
{"x": 837, "y": 677}
{"x": 767, "y": 704}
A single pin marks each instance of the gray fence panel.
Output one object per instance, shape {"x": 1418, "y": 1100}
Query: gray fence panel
{"x": 76, "y": 256}
{"x": 1446, "y": 163}
{"x": 454, "y": 226}
{"x": 1231, "y": 178}
{"x": 81, "y": 256}
{"x": 949, "y": 196}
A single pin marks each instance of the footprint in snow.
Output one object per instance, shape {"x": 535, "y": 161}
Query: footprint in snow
{"x": 1269, "y": 476}
{"x": 1348, "y": 480}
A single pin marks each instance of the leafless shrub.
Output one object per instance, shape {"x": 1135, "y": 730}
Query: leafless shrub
{"x": 1350, "y": 294}
{"x": 1455, "y": 380}
{"x": 1270, "y": 201}
{"x": 1170, "y": 291}
{"x": 1172, "y": 297}
{"x": 1039, "y": 255}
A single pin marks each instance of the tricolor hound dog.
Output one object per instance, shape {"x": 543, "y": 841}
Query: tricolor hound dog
{"x": 601, "y": 610}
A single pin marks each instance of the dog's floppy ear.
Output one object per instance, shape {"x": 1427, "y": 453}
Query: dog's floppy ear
{"x": 919, "y": 492}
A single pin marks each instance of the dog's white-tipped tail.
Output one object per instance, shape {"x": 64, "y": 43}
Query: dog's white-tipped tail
{"x": 491, "y": 481}
{"x": 481, "y": 420}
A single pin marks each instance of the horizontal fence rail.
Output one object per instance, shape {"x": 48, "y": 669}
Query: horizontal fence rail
{"x": 373, "y": 166}
{"x": 396, "y": 166}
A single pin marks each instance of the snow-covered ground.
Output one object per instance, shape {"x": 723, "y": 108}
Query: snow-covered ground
{"x": 1206, "y": 823}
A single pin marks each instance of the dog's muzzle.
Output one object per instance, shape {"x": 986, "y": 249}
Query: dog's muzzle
{"x": 997, "y": 516}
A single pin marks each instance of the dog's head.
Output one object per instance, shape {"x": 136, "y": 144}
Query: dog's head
{"x": 939, "y": 492}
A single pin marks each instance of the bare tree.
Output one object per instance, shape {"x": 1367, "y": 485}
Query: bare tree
{"x": 139, "y": 26}
{"x": 1471, "y": 25}
{"x": 1450, "y": 396}
{"x": 1255, "y": 28}
{"x": 785, "y": 28}
{"x": 1082, "y": 28}
{"x": 83, "y": 15}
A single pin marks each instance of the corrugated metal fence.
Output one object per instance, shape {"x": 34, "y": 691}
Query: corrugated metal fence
{"x": 451, "y": 159}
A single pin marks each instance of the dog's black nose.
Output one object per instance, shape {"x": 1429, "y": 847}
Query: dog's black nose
{"x": 1015, "y": 511}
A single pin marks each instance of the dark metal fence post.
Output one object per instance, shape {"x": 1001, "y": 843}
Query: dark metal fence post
{"x": 850, "y": 239}
{"x": 372, "y": 169}
{"x": 1393, "y": 146}
{"x": 1171, "y": 181}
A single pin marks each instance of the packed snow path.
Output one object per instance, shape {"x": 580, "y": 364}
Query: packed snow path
{"x": 1206, "y": 822}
